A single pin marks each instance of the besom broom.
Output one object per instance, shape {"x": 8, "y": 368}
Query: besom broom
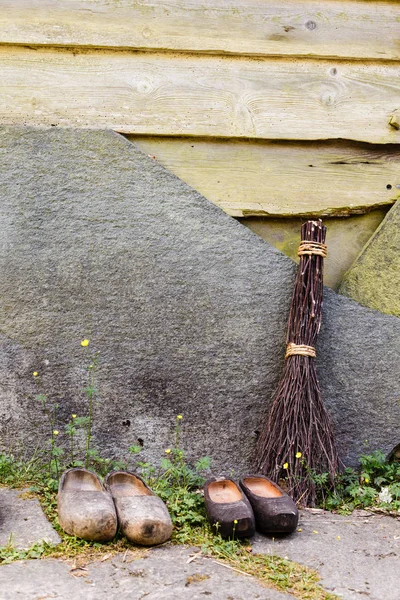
{"x": 297, "y": 441}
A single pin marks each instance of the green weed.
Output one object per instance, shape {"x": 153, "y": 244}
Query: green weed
{"x": 376, "y": 485}
{"x": 9, "y": 553}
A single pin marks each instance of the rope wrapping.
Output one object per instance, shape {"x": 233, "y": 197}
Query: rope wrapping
{"x": 310, "y": 248}
{"x": 301, "y": 349}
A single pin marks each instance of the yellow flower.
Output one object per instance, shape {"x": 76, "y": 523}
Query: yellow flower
{"x": 74, "y": 416}
{"x": 366, "y": 480}
{"x": 298, "y": 455}
{"x": 35, "y": 374}
{"x": 286, "y": 466}
{"x": 55, "y": 432}
{"x": 85, "y": 343}
{"x": 179, "y": 417}
{"x": 168, "y": 451}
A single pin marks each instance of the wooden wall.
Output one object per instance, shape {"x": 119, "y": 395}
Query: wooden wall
{"x": 270, "y": 109}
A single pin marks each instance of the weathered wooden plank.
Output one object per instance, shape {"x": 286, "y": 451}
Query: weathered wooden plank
{"x": 348, "y": 29}
{"x": 345, "y": 239}
{"x": 164, "y": 94}
{"x": 283, "y": 179}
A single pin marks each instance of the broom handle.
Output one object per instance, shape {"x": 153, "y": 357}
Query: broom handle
{"x": 306, "y": 307}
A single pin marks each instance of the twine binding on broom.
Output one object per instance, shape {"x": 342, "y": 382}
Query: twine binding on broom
{"x": 300, "y": 349}
{"x": 310, "y": 248}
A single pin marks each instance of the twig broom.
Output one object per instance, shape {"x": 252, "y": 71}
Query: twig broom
{"x": 297, "y": 442}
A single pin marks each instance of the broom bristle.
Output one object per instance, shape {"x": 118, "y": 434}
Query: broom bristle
{"x": 297, "y": 441}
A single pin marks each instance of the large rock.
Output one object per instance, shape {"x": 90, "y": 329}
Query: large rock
{"x": 374, "y": 278}
{"x": 187, "y": 307}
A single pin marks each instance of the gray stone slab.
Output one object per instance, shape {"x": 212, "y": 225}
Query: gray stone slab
{"x": 359, "y": 371}
{"x": 357, "y": 556}
{"x": 164, "y": 574}
{"x": 374, "y": 278}
{"x": 187, "y": 307}
{"x": 22, "y": 521}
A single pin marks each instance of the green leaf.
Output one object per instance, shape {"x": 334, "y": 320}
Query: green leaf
{"x": 70, "y": 429}
{"x": 166, "y": 464}
{"x": 57, "y": 451}
{"x": 82, "y": 421}
{"x": 203, "y": 464}
{"x": 93, "y": 453}
{"x": 90, "y": 391}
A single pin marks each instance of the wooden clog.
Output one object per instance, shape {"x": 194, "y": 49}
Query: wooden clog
{"x": 274, "y": 510}
{"x": 228, "y": 510}
{"x": 142, "y": 516}
{"x": 85, "y": 508}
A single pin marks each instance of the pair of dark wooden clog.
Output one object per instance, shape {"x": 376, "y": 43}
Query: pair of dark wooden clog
{"x": 237, "y": 510}
{"x": 93, "y": 511}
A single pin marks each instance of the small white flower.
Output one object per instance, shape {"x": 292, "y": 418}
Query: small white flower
{"x": 385, "y": 495}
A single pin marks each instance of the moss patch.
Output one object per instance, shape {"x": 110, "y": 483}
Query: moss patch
{"x": 374, "y": 278}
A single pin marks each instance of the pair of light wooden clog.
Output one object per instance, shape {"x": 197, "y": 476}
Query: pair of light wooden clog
{"x": 93, "y": 511}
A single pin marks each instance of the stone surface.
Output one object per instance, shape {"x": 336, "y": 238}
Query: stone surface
{"x": 374, "y": 278}
{"x": 359, "y": 371}
{"x": 356, "y": 556}
{"x": 187, "y": 307}
{"x": 22, "y": 522}
{"x": 163, "y": 574}
{"x": 346, "y": 238}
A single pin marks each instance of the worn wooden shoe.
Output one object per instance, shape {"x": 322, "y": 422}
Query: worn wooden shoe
{"x": 274, "y": 510}
{"x": 228, "y": 510}
{"x": 142, "y": 516}
{"x": 85, "y": 508}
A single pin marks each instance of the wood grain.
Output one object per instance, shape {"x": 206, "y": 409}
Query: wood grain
{"x": 162, "y": 94}
{"x": 248, "y": 27}
{"x": 283, "y": 179}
